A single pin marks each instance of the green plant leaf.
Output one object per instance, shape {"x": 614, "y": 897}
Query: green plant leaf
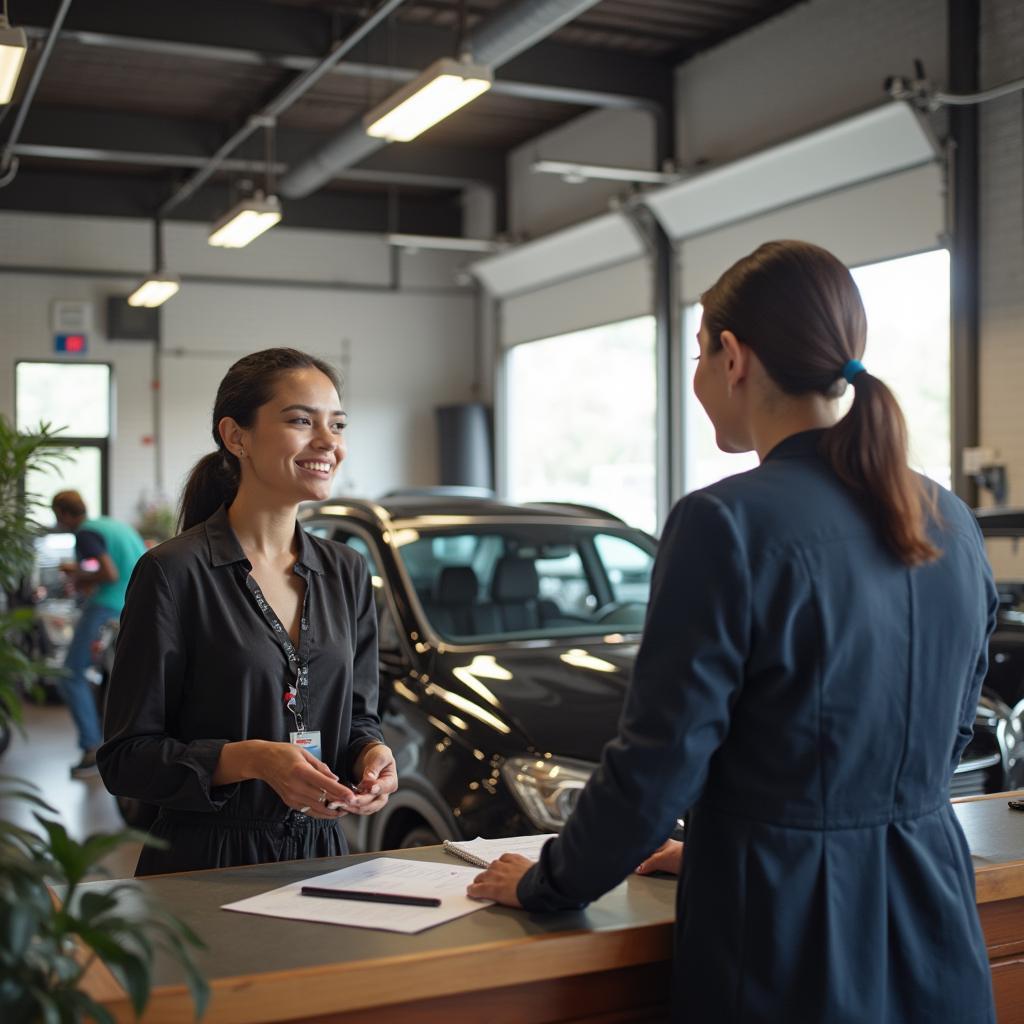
{"x": 86, "y": 1008}
{"x": 94, "y": 904}
{"x": 130, "y": 969}
{"x": 18, "y": 924}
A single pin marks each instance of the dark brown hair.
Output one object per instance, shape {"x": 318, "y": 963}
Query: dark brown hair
{"x": 249, "y": 384}
{"x": 68, "y": 503}
{"x": 797, "y": 308}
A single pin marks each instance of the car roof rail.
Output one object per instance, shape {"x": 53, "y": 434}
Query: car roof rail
{"x": 444, "y": 491}
{"x": 575, "y": 506}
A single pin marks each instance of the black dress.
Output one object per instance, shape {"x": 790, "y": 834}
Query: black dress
{"x": 807, "y": 696}
{"x": 199, "y": 664}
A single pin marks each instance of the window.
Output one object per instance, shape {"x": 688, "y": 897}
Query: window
{"x": 530, "y": 580}
{"x": 76, "y": 399}
{"x": 387, "y": 632}
{"x": 628, "y": 568}
{"x": 907, "y": 305}
{"x": 581, "y": 420}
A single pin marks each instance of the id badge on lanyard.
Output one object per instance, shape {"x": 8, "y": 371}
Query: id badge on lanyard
{"x": 308, "y": 739}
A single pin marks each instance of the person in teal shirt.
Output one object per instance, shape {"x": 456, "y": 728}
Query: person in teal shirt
{"x": 106, "y": 552}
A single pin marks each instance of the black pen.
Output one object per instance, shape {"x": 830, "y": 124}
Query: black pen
{"x": 371, "y": 897}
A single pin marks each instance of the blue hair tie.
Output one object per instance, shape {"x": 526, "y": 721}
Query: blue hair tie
{"x": 852, "y": 368}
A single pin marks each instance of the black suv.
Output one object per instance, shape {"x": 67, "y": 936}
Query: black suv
{"x": 507, "y": 640}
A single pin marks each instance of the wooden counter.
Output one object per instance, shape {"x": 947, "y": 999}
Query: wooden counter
{"x": 608, "y": 963}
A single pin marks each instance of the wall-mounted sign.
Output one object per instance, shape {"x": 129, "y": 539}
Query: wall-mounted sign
{"x": 71, "y": 316}
{"x": 72, "y": 344}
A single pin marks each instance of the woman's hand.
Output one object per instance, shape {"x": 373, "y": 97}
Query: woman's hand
{"x": 303, "y": 782}
{"x": 500, "y": 881}
{"x": 378, "y": 777}
{"x": 667, "y": 857}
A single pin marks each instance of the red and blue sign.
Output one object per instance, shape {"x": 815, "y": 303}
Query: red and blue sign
{"x": 73, "y": 344}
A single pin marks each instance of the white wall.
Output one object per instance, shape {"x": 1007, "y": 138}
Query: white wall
{"x": 402, "y": 352}
{"x": 541, "y": 203}
{"x": 1002, "y": 241}
{"x": 813, "y": 64}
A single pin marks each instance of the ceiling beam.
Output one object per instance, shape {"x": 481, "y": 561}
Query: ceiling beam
{"x": 549, "y": 71}
{"x": 188, "y": 143}
{"x": 124, "y": 195}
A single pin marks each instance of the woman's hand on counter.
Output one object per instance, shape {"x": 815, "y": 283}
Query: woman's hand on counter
{"x": 378, "y": 777}
{"x": 667, "y": 857}
{"x": 500, "y": 881}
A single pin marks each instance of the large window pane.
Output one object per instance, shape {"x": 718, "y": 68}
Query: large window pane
{"x": 581, "y": 420}
{"x": 72, "y": 396}
{"x": 907, "y": 305}
{"x": 81, "y": 472}
{"x": 907, "y": 302}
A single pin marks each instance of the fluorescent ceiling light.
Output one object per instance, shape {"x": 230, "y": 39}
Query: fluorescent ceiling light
{"x": 574, "y": 174}
{"x": 155, "y": 290}
{"x": 246, "y": 221}
{"x": 414, "y": 242}
{"x": 430, "y": 97}
{"x": 13, "y": 47}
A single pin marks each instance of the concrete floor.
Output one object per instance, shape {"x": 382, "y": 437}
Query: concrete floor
{"x": 44, "y": 755}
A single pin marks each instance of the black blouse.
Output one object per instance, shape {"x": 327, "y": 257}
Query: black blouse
{"x": 198, "y": 665}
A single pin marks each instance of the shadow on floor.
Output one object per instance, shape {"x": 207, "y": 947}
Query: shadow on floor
{"x": 44, "y": 755}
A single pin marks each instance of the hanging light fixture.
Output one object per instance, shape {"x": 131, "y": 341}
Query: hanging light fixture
{"x": 159, "y": 286}
{"x": 155, "y": 290}
{"x": 430, "y": 97}
{"x": 13, "y": 47}
{"x": 245, "y": 221}
{"x": 250, "y": 217}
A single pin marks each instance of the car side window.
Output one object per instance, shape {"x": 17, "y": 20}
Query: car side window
{"x": 627, "y": 567}
{"x": 387, "y": 631}
{"x": 563, "y": 580}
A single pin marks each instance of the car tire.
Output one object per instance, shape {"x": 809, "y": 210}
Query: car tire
{"x": 419, "y": 835}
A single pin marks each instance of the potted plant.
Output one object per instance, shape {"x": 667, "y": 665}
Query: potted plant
{"x": 51, "y": 929}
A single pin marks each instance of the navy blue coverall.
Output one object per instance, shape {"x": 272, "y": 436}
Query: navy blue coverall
{"x": 807, "y": 696}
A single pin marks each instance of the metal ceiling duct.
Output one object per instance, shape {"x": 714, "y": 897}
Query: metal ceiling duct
{"x": 510, "y": 31}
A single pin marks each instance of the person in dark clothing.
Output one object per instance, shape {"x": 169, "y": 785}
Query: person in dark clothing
{"x": 105, "y": 555}
{"x": 243, "y": 696}
{"x": 811, "y": 662}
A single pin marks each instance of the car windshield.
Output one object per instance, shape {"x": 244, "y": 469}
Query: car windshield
{"x": 523, "y": 581}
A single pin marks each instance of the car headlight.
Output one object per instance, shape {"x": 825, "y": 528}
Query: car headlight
{"x": 547, "y": 790}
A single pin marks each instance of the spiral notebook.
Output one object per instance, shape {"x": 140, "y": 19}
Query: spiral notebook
{"x": 482, "y": 851}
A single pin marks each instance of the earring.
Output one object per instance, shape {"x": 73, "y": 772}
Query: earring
{"x": 241, "y": 453}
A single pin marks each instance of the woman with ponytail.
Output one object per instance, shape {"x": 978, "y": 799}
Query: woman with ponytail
{"x": 811, "y": 663}
{"x": 243, "y": 698}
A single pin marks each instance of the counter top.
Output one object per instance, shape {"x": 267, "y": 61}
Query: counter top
{"x": 258, "y": 966}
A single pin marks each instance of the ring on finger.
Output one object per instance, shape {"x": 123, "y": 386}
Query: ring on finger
{"x": 323, "y": 796}
{"x": 304, "y": 810}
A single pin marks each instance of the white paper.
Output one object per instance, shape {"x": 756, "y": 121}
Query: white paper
{"x": 488, "y": 850}
{"x": 447, "y": 882}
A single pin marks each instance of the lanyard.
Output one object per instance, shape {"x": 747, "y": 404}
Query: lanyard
{"x": 297, "y": 696}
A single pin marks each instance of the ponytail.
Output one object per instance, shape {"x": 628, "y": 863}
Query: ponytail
{"x": 213, "y": 482}
{"x": 867, "y": 449}
{"x": 798, "y": 309}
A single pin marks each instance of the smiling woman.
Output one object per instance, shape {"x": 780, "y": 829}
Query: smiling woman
{"x": 242, "y": 700}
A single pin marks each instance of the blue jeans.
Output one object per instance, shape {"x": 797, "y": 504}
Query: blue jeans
{"x": 75, "y": 688}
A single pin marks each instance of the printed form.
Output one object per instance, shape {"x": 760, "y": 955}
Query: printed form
{"x": 385, "y": 874}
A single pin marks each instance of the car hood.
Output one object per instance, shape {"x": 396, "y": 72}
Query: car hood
{"x": 563, "y": 699}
